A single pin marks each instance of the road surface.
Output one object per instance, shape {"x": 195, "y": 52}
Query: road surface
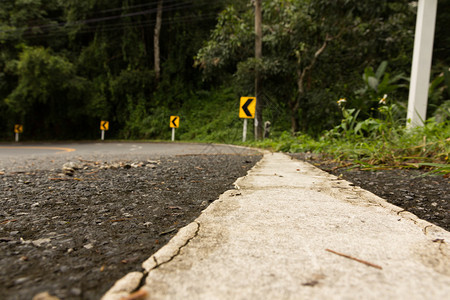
{"x": 45, "y": 155}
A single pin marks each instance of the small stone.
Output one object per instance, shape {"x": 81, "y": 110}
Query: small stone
{"x": 115, "y": 166}
{"x": 64, "y": 269}
{"x": 69, "y": 172}
{"x": 45, "y": 296}
{"x": 88, "y": 246}
{"x": 75, "y": 291}
{"x": 71, "y": 165}
{"x": 40, "y": 242}
{"x": 20, "y": 280}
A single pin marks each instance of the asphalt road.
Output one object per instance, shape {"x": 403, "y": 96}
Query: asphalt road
{"x": 18, "y": 157}
{"x": 142, "y": 192}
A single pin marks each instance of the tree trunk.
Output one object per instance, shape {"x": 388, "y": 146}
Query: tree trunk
{"x": 294, "y": 106}
{"x": 156, "y": 40}
{"x": 301, "y": 75}
{"x": 258, "y": 55}
{"x": 294, "y": 122}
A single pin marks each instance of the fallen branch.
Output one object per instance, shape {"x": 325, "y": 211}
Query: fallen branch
{"x": 356, "y": 259}
{"x": 65, "y": 179}
{"x": 120, "y": 220}
{"x": 8, "y": 221}
{"x": 342, "y": 166}
{"x": 168, "y": 231}
{"x": 88, "y": 161}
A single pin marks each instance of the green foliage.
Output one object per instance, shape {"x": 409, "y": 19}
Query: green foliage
{"x": 439, "y": 96}
{"x": 212, "y": 117}
{"x": 49, "y": 94}
{"x": 298, "y": 36}
{"x": 378, "y": 85}
{"x": 396, "y": 147}
{"x": 378, "y": 141}
{"x": 65, "y": 65}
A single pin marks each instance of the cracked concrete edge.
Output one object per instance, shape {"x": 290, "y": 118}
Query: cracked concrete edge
{"x": 190, "y": 231}
{"x": 427, "y": 228}
{"x": 350, "y": 190}
{"x": 172, "y": 248}
{"x": 124, "y": 286}
{"x": 238, "y": 183}
{"x": 133, "y": 281}
{"x": 129, "y": 283}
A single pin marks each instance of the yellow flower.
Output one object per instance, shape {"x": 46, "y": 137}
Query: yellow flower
{"x": 341, "y": 101}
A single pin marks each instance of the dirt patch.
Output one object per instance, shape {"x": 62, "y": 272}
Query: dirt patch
{"x": 74, "y": 231}
{"x": 426, "y": 196}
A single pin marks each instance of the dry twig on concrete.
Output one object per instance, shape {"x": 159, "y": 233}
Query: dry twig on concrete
{"x": 356, "y": 259}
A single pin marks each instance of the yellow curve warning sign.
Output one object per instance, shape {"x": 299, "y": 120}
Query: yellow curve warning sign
{"x": 247, "y": 108}
{"x": 174, "y": 121}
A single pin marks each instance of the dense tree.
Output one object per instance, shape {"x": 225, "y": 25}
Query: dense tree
{"x": 298, "y": 34}
{"x": 101, "y": 52}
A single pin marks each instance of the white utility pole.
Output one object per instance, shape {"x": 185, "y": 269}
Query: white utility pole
{"x": 421, "y": 64}
{"x": 258, "y": 55}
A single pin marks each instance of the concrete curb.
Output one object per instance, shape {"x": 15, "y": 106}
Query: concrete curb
{"x": 132, "y": 281}
{"x": 124, "y": 286}
{"x": 434, "y": 252}
{"x": 345, "y": 190}
{"x": 172, "y": 249}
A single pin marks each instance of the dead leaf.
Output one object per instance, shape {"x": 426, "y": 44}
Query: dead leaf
{"x": 140, "y": 294}
{"x": 175, "y": 207}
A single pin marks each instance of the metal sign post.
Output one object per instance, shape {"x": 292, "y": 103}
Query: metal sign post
{"x": 244, "y": 132}
{"x": 17, "y": 137}
{"x": 173, "y": 134}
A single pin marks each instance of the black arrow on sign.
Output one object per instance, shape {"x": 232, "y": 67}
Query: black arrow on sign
{"x": 173, "y": 122}
{"x": 245, "y": 107}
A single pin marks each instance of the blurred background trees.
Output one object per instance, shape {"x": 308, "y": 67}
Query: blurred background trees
{"x": 66, "y": 65}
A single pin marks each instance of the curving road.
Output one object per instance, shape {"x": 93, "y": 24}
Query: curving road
{"x": 19, "y": 157}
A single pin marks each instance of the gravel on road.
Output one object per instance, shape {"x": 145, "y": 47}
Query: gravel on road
{"x": 73, "y": 231}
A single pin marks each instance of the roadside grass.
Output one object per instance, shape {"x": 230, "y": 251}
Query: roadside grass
{"x": 426, "y": 147}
